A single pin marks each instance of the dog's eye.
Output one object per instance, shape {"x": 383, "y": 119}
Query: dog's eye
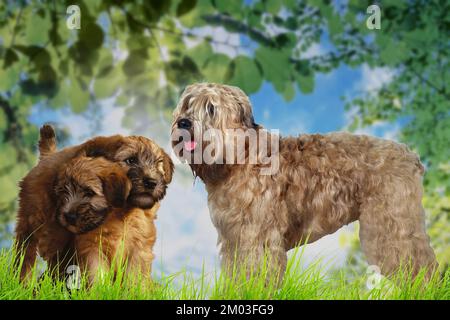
{"x": 89, "y": 192}
{"x": 131, "y": 160}
{"x": 211, "y": 109}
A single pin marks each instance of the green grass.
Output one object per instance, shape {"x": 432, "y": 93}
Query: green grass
{"x": 298, "y": 283}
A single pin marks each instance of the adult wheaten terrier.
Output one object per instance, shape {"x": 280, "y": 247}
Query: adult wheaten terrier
{"x": 320, "y": 183}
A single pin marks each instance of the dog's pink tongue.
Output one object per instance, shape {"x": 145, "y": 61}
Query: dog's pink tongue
{"x": 190, "y": 145}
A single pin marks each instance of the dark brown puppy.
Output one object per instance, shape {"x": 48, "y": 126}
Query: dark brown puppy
{"x": 38, "y": 229}
{"x": 86, "y": 190}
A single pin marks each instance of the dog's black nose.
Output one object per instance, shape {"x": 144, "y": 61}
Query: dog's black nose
{"x": 184, "y": 124}
{"x": 71, "y": 217}
{"x": 149, "y": 183}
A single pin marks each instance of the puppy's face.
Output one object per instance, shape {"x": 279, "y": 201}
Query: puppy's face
{"x": 148, "y": 167}
{"x": 205, "y": 115}
{"x": 87, "y": 190}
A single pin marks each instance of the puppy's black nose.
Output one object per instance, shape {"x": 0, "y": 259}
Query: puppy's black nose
{"x": 184, "y": 124}
{"x": 148, "y": 183}
{"x": 71, "y": 217}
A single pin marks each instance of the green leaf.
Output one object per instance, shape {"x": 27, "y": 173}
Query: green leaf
{"x": 9, "y": 189}
{"x": 195, "y": 18}
{"x": 61, "y": 97}
{"x": 275, "y": 65}
{"x": 273, "y": 6}
{"x": 3, "y": 121}
{"x": 216, "y": 68}
{"x": 289, "y": 92}
{"x": 393, "y": 53}
{"x": 78, "y": 97}
{"x": 335, "y": 25}
{"x": 10, "y": 58}
{"x": 91, "y": 35}
{"x": 122, "y": 100}
{"x": 185, "y": 6}
{"x": 134, "y": 64}
{"x": 37, "y": 28}
{"x": 305, "y": 83}
{"x": 245, "y": 74}
{"x": 105, "y": 87}
{"x": 8, "y": 155}
{"x": 10, "y": 77}
{"x": 200, "y": 53}
{"x": 138, "y": 41}
{"x": 39, "y": 56}
{"x": 105, "y": 63}
{"x": 232, "y": 7}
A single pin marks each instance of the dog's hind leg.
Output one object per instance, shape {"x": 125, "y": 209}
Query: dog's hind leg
{"x": 392, "y": 227}
{"x": 26, "y": 249}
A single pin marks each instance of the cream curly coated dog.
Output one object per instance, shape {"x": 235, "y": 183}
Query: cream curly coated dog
{"x": 322, "y": 183}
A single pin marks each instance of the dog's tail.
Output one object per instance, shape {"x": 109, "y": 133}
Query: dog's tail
{"x": 47, "y": 140}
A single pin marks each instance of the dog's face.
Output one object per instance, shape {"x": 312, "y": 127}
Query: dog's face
{"x": 148, "y": 167}
{"x": 87, "y": 190}
{"x": 206, "y": 106}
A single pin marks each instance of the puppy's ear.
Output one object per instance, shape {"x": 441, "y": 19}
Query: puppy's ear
{"x": 166, "y": 168}
{"x": 116, "y": 188}
{"x": 103, "y": 146}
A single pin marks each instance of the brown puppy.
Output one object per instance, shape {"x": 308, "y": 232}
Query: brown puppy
{"x": 127, "y": 235}
{"x": 320, "y": 183}
{"x": 38, "y": 229}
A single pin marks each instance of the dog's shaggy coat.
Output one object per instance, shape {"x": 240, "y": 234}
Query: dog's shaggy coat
{"x": 323, "y": 183}
{"x": 128, "y": 234}
{"x": 41, "y": 224}
{"x": 38, "y": 229}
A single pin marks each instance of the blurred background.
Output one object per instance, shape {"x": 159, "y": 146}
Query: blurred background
{"x": 309, "y": 66}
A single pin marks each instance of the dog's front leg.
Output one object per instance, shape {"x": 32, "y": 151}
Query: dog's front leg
{"x": 255, "y": 256}
{"x": 94, "y": 264}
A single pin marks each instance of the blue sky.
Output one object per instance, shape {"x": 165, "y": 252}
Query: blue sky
{"x": 319, "y": 112}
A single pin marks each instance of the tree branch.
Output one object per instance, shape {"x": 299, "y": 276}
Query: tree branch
{"x": 429, "y": 83}
{"x": 14, "y": 129}
{"x": 241, "y": 27}
{"x": 18, "y": 18}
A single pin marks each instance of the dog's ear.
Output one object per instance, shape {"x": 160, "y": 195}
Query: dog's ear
{"x": 246, "y": 117}
{"x": 104, "y": 146}
{"x": 116, "y": 188}
{"x": 166, "y": 167}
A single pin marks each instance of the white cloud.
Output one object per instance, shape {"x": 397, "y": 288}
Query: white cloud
{"x": 313, "y": 51}
{"x": 223, "y": 41}
{"x": 186, "y": 236}
{"x": 112, "y": 120}
{"x": 381, "y": 129}
{"x": 373, "y": 79}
